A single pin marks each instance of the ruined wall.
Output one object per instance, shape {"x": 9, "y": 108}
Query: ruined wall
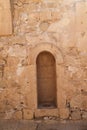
{"x": 58, "y": 26}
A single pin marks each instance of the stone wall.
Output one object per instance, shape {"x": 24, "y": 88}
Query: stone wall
{"x": 57, "y": 26}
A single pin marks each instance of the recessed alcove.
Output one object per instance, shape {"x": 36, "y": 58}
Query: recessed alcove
{"x": 45, "y": 73}
{"x": 46, "y": 81}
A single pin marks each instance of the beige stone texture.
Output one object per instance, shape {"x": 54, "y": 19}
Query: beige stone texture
{"x": 46, "y": 112}
{"x": 28, "y": 28}
{"x": 27, "y": 114}
{"x": 79, "y": 101}
{"x": 76, "y": 115}
{"x": 84, "y": 115}
{"x": 64, "y": 113}
{"x": 5, "y": 18}
{"x": 17, "y": 115}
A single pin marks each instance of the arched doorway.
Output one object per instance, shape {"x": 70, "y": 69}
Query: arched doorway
{"x": 46, "y": 80}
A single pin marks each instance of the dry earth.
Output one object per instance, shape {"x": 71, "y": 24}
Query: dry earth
{"x": 42, "y": 125}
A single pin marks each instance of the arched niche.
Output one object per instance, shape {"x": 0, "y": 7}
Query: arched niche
{"x": 35, "y": 53}
{"x": 46, "y": 80}
{"x": 53, "y": 49}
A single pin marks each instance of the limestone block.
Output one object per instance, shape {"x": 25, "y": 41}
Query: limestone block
{"x": 33, "y": 18}
{"x": 45, "y": 15}
{"x": 76, "y": 115}
{"x": 84, "y": 100}
{"x": 27, "y": 114}
{"x": 4, "y": 4}
{"x": 83, "y": 60}
{"x": 3, "y": 84}
{"x": 64, "y": 113}
{"x": 46, "y": 112}
{"x": 81, "y": 25}
{"x": 59, "y": 26}
{"x": 5, "y": 18}
{"x": 12, "y": 61}
{"x": 56, "y": 15}
{"x": 84, "y": 115}
{"x": 17, "y": 115}
{"x": 53, "y": 27}
{"x": 51, "y": 5}
{"x": 81, "y": 46}
{"x": 81, "y": 14}
{"x": 13, "y": 99}
{"x": 16, "y": 51}
{"x": 76, "y": 102}
{"x": 79, "y": 101}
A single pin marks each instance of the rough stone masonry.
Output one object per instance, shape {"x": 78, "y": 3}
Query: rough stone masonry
{"x": 28, "y": 28}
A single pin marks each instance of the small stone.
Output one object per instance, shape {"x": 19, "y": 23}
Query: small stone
{"x": 46, "y": 118}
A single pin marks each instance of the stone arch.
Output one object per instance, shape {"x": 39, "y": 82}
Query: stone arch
{"x": 32, "y": 58}
{"x": 54, "y": 50}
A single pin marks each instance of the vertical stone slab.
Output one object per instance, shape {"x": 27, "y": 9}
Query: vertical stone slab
{"x": 81, "y": 25}
{"x": 5, "y": 18}
{"x": 81, "y": 16}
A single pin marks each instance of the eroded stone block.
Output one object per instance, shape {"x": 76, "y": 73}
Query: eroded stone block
{"x": 17, "y": 115}
{"x": 5, "y": 18}
{"x": 64, "y": 113}
{"x": 46, "y": 112}
{"x": 76, "y": 115}
{"x": 27, "y": 114}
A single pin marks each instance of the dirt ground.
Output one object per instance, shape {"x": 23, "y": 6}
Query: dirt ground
{"x": 42, "y": 125}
